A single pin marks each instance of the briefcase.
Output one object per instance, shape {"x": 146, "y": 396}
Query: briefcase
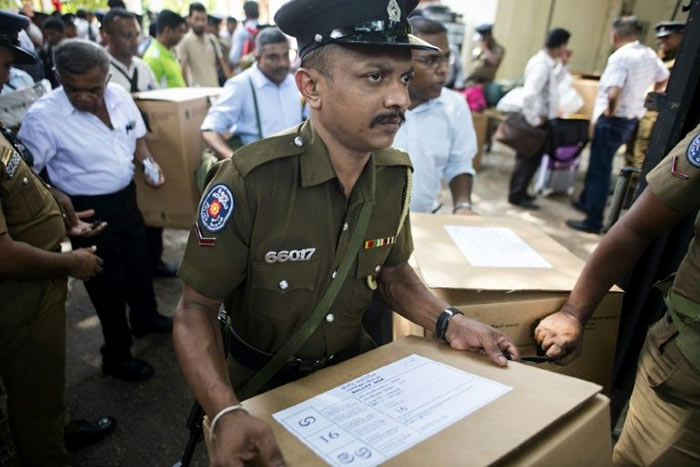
{"x": 518, "y": 134}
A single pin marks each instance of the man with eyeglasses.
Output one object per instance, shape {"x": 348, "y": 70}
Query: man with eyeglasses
{"x": 439, "y": 133}
{"x": 255, "y": 104}
{"x": 87, "y": 137}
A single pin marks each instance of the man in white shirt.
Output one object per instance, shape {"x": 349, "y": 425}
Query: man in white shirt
{"x": 87, "y": 135}
{"x": 439, "y": 137}
{"x": 438, "y": 133}
{"x": 120, "y": 31}
{"x": 631, "y": 70}
{"x": 261, "y": 101}
{"x": 543, "y": 74}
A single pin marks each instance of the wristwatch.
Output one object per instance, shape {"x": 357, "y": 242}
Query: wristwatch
{"x": 444, "y": 320}
{"x": 462, "y": 205}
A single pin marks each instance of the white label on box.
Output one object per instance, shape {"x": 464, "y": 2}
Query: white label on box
{"x": 494, "y": 247}
{"x": 383, "y": 413}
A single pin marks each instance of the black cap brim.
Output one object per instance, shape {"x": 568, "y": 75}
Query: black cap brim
{"x": 22, "y": 56}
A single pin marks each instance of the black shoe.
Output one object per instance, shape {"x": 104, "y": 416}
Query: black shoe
{"x": 524, "y": 203}
{"x": 154, "y": 323}
{"x": 127, "y": 369}
{"x": 82, "y": 433}
{"x": 164, "y": 270}
{"x": 578, "y": 206}
{"x": 582, "y": 226}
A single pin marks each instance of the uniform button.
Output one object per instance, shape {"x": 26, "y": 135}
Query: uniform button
{"x": 330, "y": 318}
{"x": 284, "y": 285}
{"x": 318, "y": 38}
{"x": 334, "y": 275}
{"x": 346, "y": 226}
{"x": 25, "y": 181}
{"x": 298, "y": 141}
{"x": 377, "y": 269}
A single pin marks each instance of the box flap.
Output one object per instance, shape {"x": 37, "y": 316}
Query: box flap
{"x": 538, "y": 400}
{"x": 534, "y": 261}
{"x": 177, "y": 94}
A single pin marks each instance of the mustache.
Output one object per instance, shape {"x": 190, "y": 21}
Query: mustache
{"x": 389, "y": 117}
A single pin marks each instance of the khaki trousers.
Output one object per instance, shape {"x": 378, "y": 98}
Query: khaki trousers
{"x": 32, "y": 367}
{"x": 663, "y": 423}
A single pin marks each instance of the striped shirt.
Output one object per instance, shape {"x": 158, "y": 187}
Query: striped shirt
{"x": 634, "y": 68}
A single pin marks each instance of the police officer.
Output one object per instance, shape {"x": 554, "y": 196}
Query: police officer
{"x": 662, "y": 423}
{"x": 33, "y": 274}
{"x": 296, "y": 231}
{"x": 669, "y": 35}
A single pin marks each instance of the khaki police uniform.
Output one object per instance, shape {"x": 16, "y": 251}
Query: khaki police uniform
{"x": 32, "y": 318}
{"x": 273, "y": 227}
{"x": 663, "y": 422}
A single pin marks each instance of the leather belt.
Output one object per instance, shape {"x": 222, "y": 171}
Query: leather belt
{"x": 254, "y": 358}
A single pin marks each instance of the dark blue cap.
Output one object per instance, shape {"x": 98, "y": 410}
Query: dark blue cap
{"x": 666, "y": 28}
{"x": 315, "y": 23}
{"x": 10, "y": 26}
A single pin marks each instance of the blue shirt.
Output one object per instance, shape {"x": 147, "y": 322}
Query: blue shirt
{"x": 234, "y": 112}
{"x": 439, "y": 137}
{"x": 81, "y": 154}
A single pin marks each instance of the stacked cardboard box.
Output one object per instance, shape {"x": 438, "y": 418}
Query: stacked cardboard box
{"x": 173, "y": 117}
{"x": 588, "y": 88}
{"x": 512, "y": 299}
{"x": 546, "y": 419}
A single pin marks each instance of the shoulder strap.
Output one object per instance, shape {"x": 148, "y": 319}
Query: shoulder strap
{"x": 257, "y": 110}
{"x": 309, "y": 326}
{"x": 133, "y": 80}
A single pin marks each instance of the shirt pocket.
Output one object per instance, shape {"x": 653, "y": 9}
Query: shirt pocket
{"x": 280, "y": 291}
{"x": 369, "y": 264}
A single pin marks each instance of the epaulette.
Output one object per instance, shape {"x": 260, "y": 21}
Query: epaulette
{"x": 6, "y": 152}
{"x": 261, "y": 152}
{"x": 391, "y": 156}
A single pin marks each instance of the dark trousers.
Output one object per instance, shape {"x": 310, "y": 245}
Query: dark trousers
{"x": 126, "y": 277}
{"x": 525, "y": 168}
{"x": 610, "y": 133}
{"x": 155, "y": 245}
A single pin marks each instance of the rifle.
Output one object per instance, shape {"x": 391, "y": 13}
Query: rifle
{"x": 194, "y": 419}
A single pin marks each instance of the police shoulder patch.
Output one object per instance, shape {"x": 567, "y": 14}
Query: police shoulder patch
{"x": 693, "y": 152}
{"x": 216, "y": 208}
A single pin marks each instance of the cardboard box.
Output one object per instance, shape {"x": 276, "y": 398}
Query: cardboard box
{"x": 173, "y": 118}
{"x": 546, "y": 419}
{"x": 513, "y": 299}
{"x": 588, "y": 88}
{"x": 481, "y": 126}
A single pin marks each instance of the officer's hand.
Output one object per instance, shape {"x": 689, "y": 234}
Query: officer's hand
{"x": 84, "y": 229}
{"x": 467, "y": 334}
{"x": 86, "y": 263}
{"x": 560, "y": 336}
{"x": 240, "y": 438}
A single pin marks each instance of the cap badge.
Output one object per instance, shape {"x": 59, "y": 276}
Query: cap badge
{"x": 394, "y": 11}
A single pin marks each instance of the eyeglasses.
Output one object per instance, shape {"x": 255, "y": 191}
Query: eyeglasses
{"x": 434, "y": 61}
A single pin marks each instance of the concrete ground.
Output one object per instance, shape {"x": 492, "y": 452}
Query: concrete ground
{"x": 151, "y": 415}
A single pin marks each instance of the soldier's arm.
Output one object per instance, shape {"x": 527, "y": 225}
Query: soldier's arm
{"x": 405, "y": 292}
{"x": 25, "y": 262}
{"x": 560, "y": 334}
{"x": 240, "y": 437}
